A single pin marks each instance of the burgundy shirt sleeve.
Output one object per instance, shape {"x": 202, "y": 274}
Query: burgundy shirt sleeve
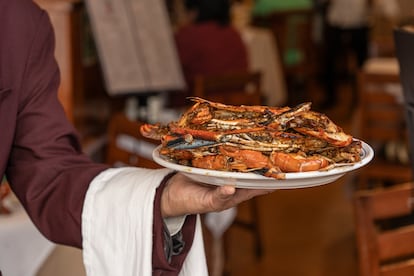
{"x": 161, "y": 265}
{"x": 46, "y": 167}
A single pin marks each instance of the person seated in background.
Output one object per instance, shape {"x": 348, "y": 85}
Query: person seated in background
{"x": 209, "y": 44}
{"x": 129, "y": 221}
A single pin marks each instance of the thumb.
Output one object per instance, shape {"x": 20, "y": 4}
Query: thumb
{"x": 225, "y": 192}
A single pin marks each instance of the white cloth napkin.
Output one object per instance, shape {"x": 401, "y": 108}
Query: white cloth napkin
{"x": 117, "y": 225}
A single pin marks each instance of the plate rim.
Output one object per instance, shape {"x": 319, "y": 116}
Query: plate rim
{"x": 367, "y": 155}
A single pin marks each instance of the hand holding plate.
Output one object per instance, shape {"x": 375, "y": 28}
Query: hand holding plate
{"x": 183, "y": 195}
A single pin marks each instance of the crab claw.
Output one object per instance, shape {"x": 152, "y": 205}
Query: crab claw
{"x": 155, "y": 131}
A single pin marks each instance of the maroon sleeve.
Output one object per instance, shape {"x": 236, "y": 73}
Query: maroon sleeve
{"x": 160, "y": 264}
{"x": 46, "y": 168}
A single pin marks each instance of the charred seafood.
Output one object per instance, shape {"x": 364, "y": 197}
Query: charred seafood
{"x": 267, "y": 140}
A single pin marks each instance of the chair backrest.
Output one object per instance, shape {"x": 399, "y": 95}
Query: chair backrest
{"x": 384, "y": 224}
{"x": 382, "y": 124}
{"x": 382, "y": 113}
{"x": 126, "y": 145}
{"x": 230, "y": 88}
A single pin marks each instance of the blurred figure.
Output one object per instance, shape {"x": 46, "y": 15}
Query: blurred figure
{"x": 209, "y": 44}
{"x": 346, "y": 29}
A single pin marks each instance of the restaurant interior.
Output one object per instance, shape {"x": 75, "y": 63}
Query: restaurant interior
{"x": 360, "y": 224}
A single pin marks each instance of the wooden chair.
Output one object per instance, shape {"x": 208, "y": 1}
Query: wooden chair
{"x": 126, "y": 145}
{"x": 382, "y": 124}
{"x": 236, "y": 88}
{"x": 385, "y": 230}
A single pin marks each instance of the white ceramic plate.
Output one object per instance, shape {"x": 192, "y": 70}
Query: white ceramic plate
{"x": 255, "y": 181}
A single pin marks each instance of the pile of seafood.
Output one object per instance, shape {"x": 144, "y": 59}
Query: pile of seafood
{"x": 270, "y": 141}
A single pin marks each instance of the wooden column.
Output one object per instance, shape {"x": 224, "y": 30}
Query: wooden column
{"x": 66, "y": 18}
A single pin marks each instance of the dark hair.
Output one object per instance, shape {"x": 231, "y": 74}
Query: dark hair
{"x": 210, "y": 10}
